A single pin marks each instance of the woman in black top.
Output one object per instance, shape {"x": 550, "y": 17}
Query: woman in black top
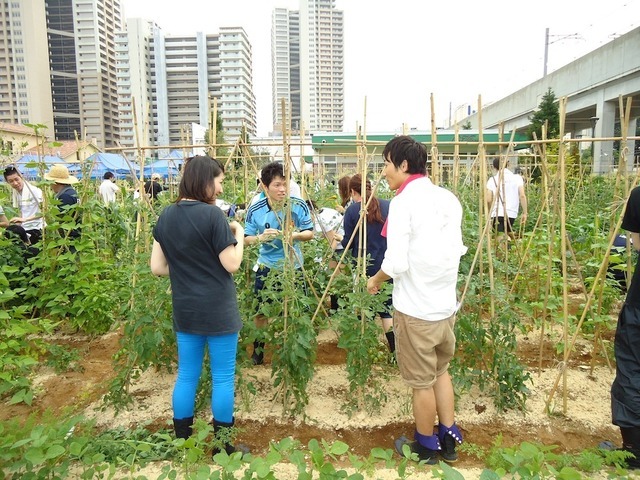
{"x": 375, "y": 245}
{"x": 199, "y": 250}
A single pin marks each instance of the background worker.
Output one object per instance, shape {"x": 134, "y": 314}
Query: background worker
{"x": 28, "y": 198}
{"x": 505, "y": 196}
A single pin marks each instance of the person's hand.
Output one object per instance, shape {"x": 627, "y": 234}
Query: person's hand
{"x": 16, "y": 220}
{"x": 373, "y": 285}
{"x": 268, "y": 234}
{"x": 523, "y": 218}
{"x": 236, "y": 228}
{"x": 339, "y": 209}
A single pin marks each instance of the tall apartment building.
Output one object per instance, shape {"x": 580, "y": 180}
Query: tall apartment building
{"x": 193, "y": 70}
{"x": 25, "y": 94}
{"x": 179, "y": 75}
{"x": 307, "y": 51}
{"x": 134, "y": 54}
{"x": 285, "y": 67}
{"x": 57, "y": 66}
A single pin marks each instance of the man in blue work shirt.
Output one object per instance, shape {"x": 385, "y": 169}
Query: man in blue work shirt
{"x": 265, "y": 223}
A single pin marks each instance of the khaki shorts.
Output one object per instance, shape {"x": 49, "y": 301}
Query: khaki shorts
{"x": 423, "y": 348}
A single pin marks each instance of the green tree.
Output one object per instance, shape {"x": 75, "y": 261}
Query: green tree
{"x": 219, "y": 140}
{"x": 548, "y": 112}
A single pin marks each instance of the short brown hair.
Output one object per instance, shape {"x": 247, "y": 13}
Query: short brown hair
{"x": 198, "y": 175}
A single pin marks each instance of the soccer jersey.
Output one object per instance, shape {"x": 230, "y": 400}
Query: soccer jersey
{"x": 260, "y": 216}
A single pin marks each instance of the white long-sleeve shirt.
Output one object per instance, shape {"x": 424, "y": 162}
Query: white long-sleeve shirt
{"x": 424, "y": 246}
{"x": 29, "y": 201}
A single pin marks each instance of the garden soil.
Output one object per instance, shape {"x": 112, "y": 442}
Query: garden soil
{"x": 573, "y": 419}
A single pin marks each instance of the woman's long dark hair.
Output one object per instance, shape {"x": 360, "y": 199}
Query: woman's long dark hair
{"x": 374, "y": 215}
{"x": 344, "y": 190}
{"x": 198, "y": 176}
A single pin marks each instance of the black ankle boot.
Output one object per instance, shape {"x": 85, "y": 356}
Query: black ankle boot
{"x": 222, "y": 432}
{"x": 258, "y": 353}
{"x": 183, "y": 427}
{"x": 334, "y": 301}
{"x": 391, "y": 339}
{"x": 631, "y": 443}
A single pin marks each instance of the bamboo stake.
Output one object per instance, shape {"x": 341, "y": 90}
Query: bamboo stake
{"x": 601, "y": 271}
{"x": 435, "y": 169}
{"x": 341, "y": 260}
{"x": 599, "y": 274}
{"x": 584, "y": 292}
{"x": 303, "y": 163}
{"x": 456, "y": 160}
{"x": 486, "y": 217}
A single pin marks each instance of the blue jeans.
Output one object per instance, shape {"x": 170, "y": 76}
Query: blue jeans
{"x": 222, "y": 355}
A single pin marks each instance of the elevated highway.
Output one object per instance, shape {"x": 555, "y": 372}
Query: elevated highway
{"x": 592, "y": 84}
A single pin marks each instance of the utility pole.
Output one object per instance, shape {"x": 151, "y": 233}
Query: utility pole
{"x": 572, "y": 36}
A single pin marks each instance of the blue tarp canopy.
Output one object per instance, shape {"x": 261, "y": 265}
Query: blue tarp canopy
{"x": 31, "y": 167}
{"x": 165, "y": 168}
{"x": 101, "y": 163}
{"x": 174, "y": 155}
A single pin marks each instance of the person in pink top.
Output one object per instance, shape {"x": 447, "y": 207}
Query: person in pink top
{"x": 424, "y": 246}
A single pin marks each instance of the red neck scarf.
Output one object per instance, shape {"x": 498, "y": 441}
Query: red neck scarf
{"x": 409, "y": 179}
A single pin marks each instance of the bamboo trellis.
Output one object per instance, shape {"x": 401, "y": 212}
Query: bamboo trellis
{"x": 554, "y": 205}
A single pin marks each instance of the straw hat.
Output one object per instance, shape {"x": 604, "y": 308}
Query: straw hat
{"x": 60, "y": 174}
{"x": 156, "y": 176}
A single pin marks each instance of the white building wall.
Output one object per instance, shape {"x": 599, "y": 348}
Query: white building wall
{"x": 237, "y": 99}
{"x": 160, "y": 110}
{"x": 25, "y": 92}
{"x": 133, "y": 53}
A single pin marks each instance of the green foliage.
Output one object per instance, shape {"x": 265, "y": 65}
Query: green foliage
{"x": 20, "y": 348}
{"x": 36, "y": 450}
{"x": 106, "y": 284}
{"x": 148, "y": 340}
{"x": 52, "y": 447}
{"x": 291, "y": 334}
{"x": 62, "y": 359}
{"x": 547, "y": 113}
{"x": 359, "y": 332}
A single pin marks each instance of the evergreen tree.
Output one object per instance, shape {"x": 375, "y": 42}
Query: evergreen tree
{"x": 548, "y": 112}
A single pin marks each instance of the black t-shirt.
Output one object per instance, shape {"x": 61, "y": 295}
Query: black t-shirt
{"x": 631, "y": 222}
{"x": 153, "y": 188}
{"x": 192, "y": 235}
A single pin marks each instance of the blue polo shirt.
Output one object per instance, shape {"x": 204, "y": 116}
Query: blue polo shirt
{"x": 260, "y": 216}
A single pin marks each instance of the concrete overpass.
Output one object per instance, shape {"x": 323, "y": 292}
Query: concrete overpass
{"x": 592, "y": 85}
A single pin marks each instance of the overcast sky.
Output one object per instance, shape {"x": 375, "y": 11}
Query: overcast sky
{"x": 398, "y": 53}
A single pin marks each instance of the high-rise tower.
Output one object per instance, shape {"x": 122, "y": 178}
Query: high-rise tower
{"x": 82, "y": 61}
{"x": 190, "y": 70}
{"x": 57, "y": 67}
{"x": 307, "y": 51}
